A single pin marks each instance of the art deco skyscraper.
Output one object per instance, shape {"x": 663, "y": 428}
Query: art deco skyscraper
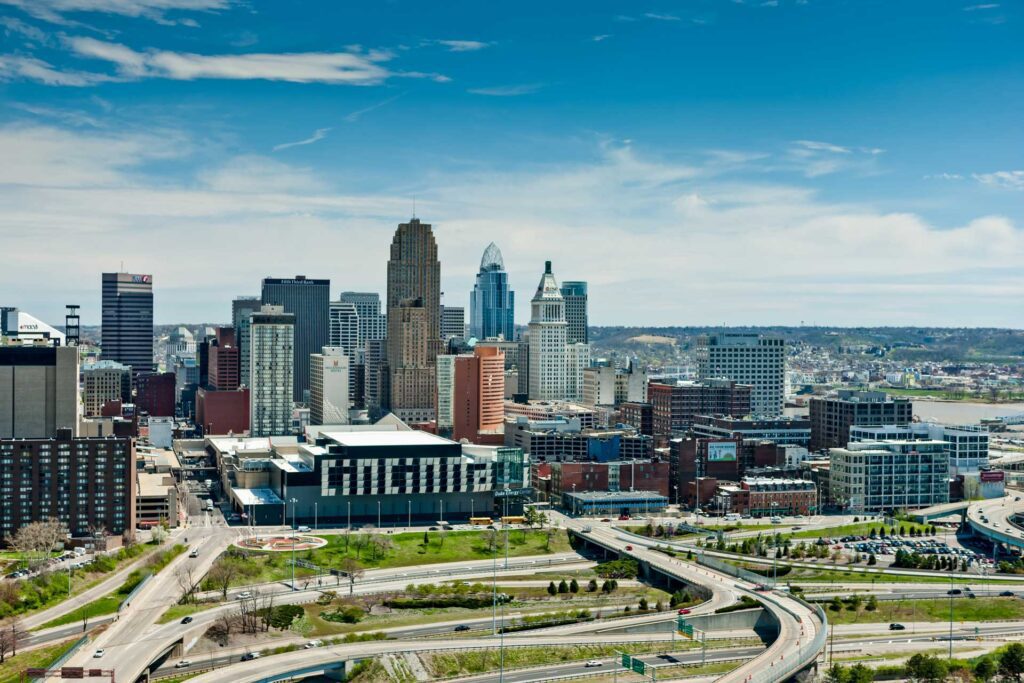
{"x": 127, "y": 332}
{"x": 548, "y": 363}
{"x": 414, "y": 325}
{"x": 492, "y": 303}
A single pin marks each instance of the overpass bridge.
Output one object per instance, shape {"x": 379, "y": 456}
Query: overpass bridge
{"x": 1000, "y": 520}
{"x": 939, "y": 511}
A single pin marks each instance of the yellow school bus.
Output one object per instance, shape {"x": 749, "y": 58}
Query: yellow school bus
{"x": 481, "y": 521}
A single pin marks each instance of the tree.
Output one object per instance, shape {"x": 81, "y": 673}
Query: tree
{"x": 872, "y": 604}
{"x": 574, "y": 586}
{"x": 563, "y": 587}
{"x": 39, "y": 538}
{"x": 353, "y": 570}
{"x": 836, "y": 605}
{"x": 158, "y": 534}
{"x": 861, "y": 674}
{"x": 837, "y": 673}
{"x": 872, "y": 560}
{"x": 128, "y": 538}
{"x": 643, "y": 604}
{"x": 1011, "y": 662}
{"x": 855, "y": 602}
{"x": 592, "y": 585}
{"x": 426, "y": 538}
{"x": 985, "y": 669}
{"x": 11, "y": 636}
{"x": 926, "y": 668}
{"x": 606, "y": 587}
{"x": 552, "y": 590}
{"x": 221, "y": 575}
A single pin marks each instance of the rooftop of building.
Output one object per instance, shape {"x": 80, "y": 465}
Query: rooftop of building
{"x": 369, "y": 438}
{"x": 154, "y": 485}
{"x": 258, "y": 496}
{"x": 104, "y": 365}
{"x": 613, "y": 496}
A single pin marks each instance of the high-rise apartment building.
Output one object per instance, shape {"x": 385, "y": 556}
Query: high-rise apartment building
{"x": 329, "y": 399}
{"x": 453, "y": 322}
{"x": 414, "y": 321}
{"x": 345, "y": 326}
{"x": 38, "y": 390}
{"x": 477, "y": 396}
{"x": 372, "y": 323}
{"x": 127, "y": 333}
{"x": 85, "y": 483}
{"x": 156, "y": 394}
{"x": 748, "y": 359}
{"x": 309, "y": 301}
{"x": 242, "y": 309}
{"x": 548, "y": 364}
{"x": 889, "y": 475}
{"x": 492, "y": 302}
{"x": 832, "y": 416}
{"x": 575, "y": 295}
{"x": 376, "y": 391}
{"x": 272, "y": 360}
{"x": 102, "y": 382}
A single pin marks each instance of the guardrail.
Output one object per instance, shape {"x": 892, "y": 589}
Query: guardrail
{"x": 64, "y": 658}
{"x": 128, "y": 599}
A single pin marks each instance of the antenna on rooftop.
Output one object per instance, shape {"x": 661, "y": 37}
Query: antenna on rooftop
{"x": 414, "y": 206}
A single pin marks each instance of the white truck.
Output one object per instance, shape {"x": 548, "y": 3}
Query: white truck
{"x": 209, "y": 504}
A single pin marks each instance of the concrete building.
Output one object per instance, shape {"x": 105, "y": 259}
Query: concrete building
{"x": 574, "y": 293}
{"x": 453, "y": 322}
{"x": 577, "y": 360}
{"x": 344, "y": 327}
{"x": 181, "y": 343}
{"x": 104, "y": 381}
{"x": 272, "y": 362}
{"x": 887, "y": 476}
{"x": 242, "y": 309}
{"x": 832, "y": 416}
{"x": 551, "y": 410}
{"x": 747, "y": 359}
{"x": 675, "y": 404}
{"x": 85, "y": 483}
{"x": 329, "y": 400}
{"x": 620, "y": 503}
{"x": 547, "y": 345}
{"x": 966, "y": 445}
{"x": 127, "y": 331}
{"x": 308, "y": 300}
{"x": 606, "y": 385}
{"x": 372, "y": 323}
{"x": 565, "y": 439}
{"x": 492, "y": 302}
{"x": 156, "y": 500}
{"x": 38, "y": 390}
{"x": 784, "y": 430}
{"x": 414, "y": 321}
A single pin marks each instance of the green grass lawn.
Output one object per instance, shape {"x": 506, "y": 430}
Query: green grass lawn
{"x": 859, "y": 529}
{"x": 406, "y": 550}
{"x": 964, "y": 609}
{"x": 10, "y": 670}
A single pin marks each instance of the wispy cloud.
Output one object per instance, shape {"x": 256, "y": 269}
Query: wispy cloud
{"x": 944, "y": 176}
{"x": 602, "y": 37}
{"x": 975, "y": 8}
{"x": 817, "y": 158}
{"x": 508, "y": 90}
{"x": 317, "y": 135}
{"x": 1007, "y": 180}
{"x": 14, "y": 67}
{"x": 56, "y": 11}
{"x": 661, "y": 17}
{"x": 817, "y": 146}
{"x": 72, "y": 117}
{"x": 15, "y": 26}
{"x": 354, "y": 116}
{"x": 462, "y": 45}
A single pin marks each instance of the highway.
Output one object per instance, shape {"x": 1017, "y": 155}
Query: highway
{"x": 992, "y": 519}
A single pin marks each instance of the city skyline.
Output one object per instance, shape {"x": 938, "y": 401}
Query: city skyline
{"x": 636, "y": 147}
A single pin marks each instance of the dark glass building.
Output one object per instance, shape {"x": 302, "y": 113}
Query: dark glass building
{"x": 127, "y": 333}
{"x": 492, "y": 303}
{"x": 575, "y": 295}
{"x": 309, "y": 301}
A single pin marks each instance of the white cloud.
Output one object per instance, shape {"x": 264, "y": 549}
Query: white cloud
{"x": 661, "y": 17}
{"x": 975, "y": 8}
{"x": 508, "y": 90}
{"x": 13, "y": 25}
{"x": 354, "y": 116}
{"x": 661, "y": 241}
{"x": 318, "y": 135}
{"x": 55, "y": 10}
{"x": 816, "y": 158}
{"x": 463, "y": 45}
{"x": 602, "y": 37}
{"x": 1009, "y": 180}
{"x": 816, "y": 146}
{"x": 944, "y": 176}
{"x": 14, "y": 67}
{"x": 309, "y": 67}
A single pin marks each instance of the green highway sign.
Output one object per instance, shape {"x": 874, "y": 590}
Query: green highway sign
{"x": 639, "y": 666}
{"x": 626, "y": 661}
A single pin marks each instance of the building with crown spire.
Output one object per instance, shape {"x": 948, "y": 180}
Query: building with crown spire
{"x": 548, "y": 365}
{"x": 492, "y": 303}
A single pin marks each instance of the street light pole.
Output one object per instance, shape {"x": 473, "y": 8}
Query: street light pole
{"x": 410, "y": 514}
{"x": 316, "y": 515}
{"x": 378, "y": 514}
{"x": 951, "y": 616}
{"x": 294, "y": 541}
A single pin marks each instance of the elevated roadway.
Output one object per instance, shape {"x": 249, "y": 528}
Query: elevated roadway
{"x": 998, "y": 519}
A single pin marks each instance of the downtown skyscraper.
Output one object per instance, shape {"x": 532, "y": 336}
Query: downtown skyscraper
{"x": 575, "y": 294}
{"x": 127, "y": 333}
{"x": 547, "y": 344}
{"x": 309, "y": 301}
{"x": 272, "y": 361}
{"x": 492, "y": 303}
{"x": 414, "y": 325}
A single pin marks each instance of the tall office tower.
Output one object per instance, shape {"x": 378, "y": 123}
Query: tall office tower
{"x": 445, "y": 374}
{"x": 478, "y": 409}
{"x": 242, "y": 309}
{"x": 372, "y": 323}
{"x": 575, "y": 295}
{"x": 523, "y": 366}
{"x": 309, "y": 301}
{"x": 748, "y": 359}
{"x": 577, "y": 359}
{"x": 127, "y": 333}
{"x": 492, "y": 303}
{"x": 411, "y": 362}
{"x": 345, "y": 325}
{"x": 223, "y": 361}
{"x": 453, "y": 322}
{"x": 375, "y": 381}
{"x": 38, "y": 390}
{"x": 414, "y": 324}
{"x": 548, "y": 363}
{"x": 272, "y": 360}
{"x": 328, "y": 387}
{"x": 102, "y": 382}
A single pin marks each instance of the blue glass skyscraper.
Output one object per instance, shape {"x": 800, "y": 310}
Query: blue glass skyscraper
{"x": 492, "y": 303}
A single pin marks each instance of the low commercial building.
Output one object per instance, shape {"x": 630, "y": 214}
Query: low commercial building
{"x": 766, "y": 497}
{"x": 563, "y": 439}
{"x": 549, "y": 410}
{"x": 84, "y": 482}
{"x": 781, "y": 430}
{"x": 883, "y": 476}
{"x": 617, "y": 503}
{"x": 156, "y": 500}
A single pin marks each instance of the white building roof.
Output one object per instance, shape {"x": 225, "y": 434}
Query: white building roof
{"x": 387, "y": 438}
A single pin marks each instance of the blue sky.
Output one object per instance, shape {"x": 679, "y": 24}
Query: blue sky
{"x": 697, "y": 161}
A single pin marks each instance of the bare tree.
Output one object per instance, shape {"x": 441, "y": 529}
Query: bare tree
{"x": 11, "y": 635}
{"x": 266, "y": 611}
{"x": 248, "y": 613}
{"x": 491, "y": 537}
{"x": 222, "y": 574}
{"x": 353, "y": 570}
{"x": 39, "y": 538}
{"x": 128, "y": 538}
{"x": 186, "y": 577}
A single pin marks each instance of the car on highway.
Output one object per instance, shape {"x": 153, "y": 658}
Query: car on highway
{"x": 628, "y": 548}
{"x": 897, "y": 627}
{"x": 605, "y": 519}
{"x": 187, "y": 620}
{"x": 313, "y": 643}
{"x": 954, "y": 591}
{"x": 1007, "y": 594}
{"x": 461, "y": 627}
{"x": 685, "y": 610}
{"x": 99, "y": 653}
{"x": 243, "y": 596}
{"x": 182, "y": 663}
{"x": 249, "y": 656}
{"x": 592, "y": 663}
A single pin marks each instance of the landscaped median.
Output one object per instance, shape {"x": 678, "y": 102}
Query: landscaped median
{"x": 108, "y": 604}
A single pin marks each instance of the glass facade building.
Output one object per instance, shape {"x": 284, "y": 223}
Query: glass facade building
{"x": 492, "y": 303}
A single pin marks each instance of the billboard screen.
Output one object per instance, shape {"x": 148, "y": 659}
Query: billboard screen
{"x": 997, "y": 475}
{"x": 722, "y": 452}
